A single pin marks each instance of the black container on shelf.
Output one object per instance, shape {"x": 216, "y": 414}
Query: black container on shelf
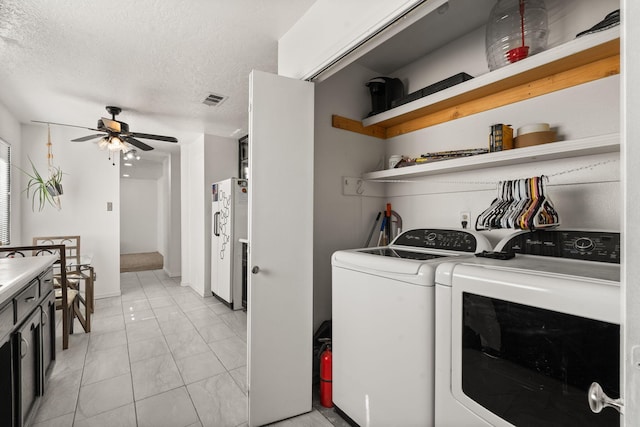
{"x": 436, "y": 87}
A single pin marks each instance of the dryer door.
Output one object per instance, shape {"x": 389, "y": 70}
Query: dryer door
{"x": 526, "y": 348}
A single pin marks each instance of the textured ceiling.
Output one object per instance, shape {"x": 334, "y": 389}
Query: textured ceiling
{"x": 65, "y": 60}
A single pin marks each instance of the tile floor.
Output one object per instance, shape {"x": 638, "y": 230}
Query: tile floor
{"x": 159, "y": 355}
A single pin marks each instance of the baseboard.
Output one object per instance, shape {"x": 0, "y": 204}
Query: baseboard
{"x": 188, "y": 285}
{"x": 171, "y": 274}
{"x": 109, "y": 295}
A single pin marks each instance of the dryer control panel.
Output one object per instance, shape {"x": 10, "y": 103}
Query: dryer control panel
{"x": 426, "y": 238}
{"x": 582, "y": 245}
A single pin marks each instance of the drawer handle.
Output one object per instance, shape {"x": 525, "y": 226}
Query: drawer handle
{"x": 26, "y": 343}
{"x": 29, "y": 299}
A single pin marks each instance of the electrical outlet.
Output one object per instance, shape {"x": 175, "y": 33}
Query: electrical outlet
{"x": 465, "y": 219}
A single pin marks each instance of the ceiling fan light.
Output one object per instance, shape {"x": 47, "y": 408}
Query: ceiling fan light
{"x": 103, "y": 143}
{"x": 113, "y": 143}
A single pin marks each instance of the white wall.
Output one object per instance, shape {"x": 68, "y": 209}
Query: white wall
{"x": 169, "y": 240}
{"x": 172, "y": 211}
{"x": 204, "y": 161}
{"x": 139, "y": 210}
{"x": 90, "y": 181}
{"x": 163, "y": 197}
{"x": 192, "y": 212}
{"x": 340, "y": 221}
{"x": 10, "y": 132}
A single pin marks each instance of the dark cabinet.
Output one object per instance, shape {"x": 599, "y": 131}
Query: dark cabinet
{"x": 48, "y": 326}
{"x": 28, "y": 342}
{"x": 8, "y": 402}
{"x": 27, "y": 349}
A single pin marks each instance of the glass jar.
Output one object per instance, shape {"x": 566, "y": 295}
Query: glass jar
{"x": 516, "y": 29}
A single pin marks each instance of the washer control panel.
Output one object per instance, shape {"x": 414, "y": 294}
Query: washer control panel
{"x": 583, "y": 245}
{"x": 426, "y": 238}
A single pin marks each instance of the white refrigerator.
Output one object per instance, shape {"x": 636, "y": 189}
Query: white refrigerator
{"x": 229, "y": 201}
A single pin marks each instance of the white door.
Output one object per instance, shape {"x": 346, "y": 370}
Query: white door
{"x": 280, "y": 247}
{"x": 631, "y": 227}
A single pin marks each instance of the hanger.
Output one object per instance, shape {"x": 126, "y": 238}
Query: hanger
{"x": 520, "y": 204}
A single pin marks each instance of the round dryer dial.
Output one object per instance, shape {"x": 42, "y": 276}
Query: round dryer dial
{"x": 584, "y": 244}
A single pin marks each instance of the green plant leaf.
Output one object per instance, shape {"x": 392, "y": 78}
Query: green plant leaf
{"x": 38, "y": 188}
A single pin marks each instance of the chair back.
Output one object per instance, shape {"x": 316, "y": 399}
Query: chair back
{"x": 49, "y": 249}
{"x": 71, "y": 247}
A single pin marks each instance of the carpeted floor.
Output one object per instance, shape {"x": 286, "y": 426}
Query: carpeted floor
{"x": 141, "y": 261}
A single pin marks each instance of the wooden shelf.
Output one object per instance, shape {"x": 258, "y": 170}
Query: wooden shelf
{"x": 579, "y": 61}
{"x": 551, "y": 151}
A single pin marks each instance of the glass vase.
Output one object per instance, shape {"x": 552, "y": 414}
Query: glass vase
{"x": 516, "y": 30}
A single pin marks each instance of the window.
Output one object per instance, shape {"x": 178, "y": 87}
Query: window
{"x": 5, "y": 192}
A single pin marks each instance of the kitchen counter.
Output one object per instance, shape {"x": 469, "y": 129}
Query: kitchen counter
{"x": 17, "y": 272}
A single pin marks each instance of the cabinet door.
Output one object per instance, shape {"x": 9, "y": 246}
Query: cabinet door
{"x": 7, "y": 403}
{"x": 280, "y": 247}
{"x": 48, "y": 335}
{"x": 28, "y": 341}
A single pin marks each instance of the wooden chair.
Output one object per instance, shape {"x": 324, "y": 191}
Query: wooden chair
{"x": 78, "y": 271}
{"x": 66, "y": 299}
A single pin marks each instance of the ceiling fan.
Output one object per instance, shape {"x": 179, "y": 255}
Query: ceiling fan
{"x": 115, "y": 134}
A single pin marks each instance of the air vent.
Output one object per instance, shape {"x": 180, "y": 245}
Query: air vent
{"x": 214, "y": 100}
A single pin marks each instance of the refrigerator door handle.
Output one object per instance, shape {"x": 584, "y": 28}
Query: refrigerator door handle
{"x": 216, "y": 217}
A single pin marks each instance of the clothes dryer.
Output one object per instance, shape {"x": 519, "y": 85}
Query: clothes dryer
{"x": 519, "y": 341}
{"x": 383, "y": 325}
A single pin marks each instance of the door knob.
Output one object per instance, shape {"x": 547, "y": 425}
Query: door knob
{"x": 598, "y": 400}
{"x": 255, "y": 269}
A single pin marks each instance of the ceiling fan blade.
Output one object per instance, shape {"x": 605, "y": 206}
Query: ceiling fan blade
{"x": 89, "y": 137}
{"x": 112, "y": 125}
{"x": 157, "y": 137}
{"x": 63, "y": 124}
{"x": 139, "y": 144}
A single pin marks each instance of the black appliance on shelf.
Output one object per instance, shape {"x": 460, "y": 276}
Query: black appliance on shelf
{"x": 384, "y": 90}
{"x": 433, "y": 88}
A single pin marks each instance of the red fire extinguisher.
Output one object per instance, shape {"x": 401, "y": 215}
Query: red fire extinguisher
{"x": 325, "y": 374}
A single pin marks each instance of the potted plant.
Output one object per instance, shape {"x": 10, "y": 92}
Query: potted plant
{"x": 45, "y": 191}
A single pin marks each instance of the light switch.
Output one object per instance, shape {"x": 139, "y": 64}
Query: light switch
{"x": 109, "y": 206}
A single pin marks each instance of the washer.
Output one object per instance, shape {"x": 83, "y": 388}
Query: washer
{"x": 383, "y": 326}
{"x": 519, "y": 341}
